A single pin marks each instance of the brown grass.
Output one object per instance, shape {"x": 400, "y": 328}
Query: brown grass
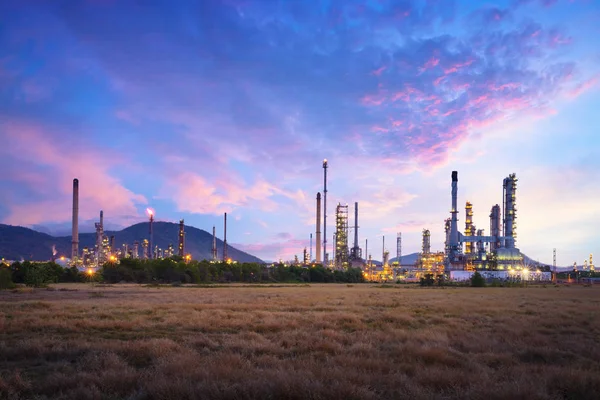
{"x": 299, "y": 342}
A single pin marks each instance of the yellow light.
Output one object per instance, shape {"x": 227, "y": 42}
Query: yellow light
{"x": 90, "y": 271}
{"x": 62, "y": 258}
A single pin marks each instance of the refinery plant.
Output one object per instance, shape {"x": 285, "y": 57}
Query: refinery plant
{"x": 105, "y": 250}
{"x": 494, "y": 255}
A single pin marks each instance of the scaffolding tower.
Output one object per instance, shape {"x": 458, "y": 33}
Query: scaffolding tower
{"x": 341, "y": 236}
{"x": 469, "y": 231}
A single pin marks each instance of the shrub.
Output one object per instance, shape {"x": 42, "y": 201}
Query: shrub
{"x": 6, "y": 279}
{"x": 427, "y": 280}
{"x": 477, "y": 280}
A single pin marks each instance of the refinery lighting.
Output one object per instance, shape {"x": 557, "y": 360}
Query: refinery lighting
{"x": 149, "y": 211}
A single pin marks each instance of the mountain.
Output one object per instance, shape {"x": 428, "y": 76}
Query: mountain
{"x": 18, "y": 243}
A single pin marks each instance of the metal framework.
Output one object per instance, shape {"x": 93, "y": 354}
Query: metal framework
{"x": 469, "y": 229}
{"x": 426, "y": 241}
{"x": 341, "y": 236}
{"x": 399, "y": 249}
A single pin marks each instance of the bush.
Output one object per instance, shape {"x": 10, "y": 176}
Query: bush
{"x": 6, "y": 279}
{"x": 427, "y": 280}
{"x": 477, "y": 280}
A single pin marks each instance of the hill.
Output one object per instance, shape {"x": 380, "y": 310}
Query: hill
{"x": 18, "y": 243}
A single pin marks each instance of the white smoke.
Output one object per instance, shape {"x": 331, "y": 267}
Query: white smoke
{"x": 53, "y": 250}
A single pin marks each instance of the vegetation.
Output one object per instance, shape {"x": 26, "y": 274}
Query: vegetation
{"x": 6, "y": 278}
{"x": 41, "y": 274}
{"x": 175, "y": 270}
{"x": 477, "y": 280}
{"x": 296, "y": 341}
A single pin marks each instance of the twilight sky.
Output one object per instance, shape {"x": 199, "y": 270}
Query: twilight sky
{"x": 196, "y": 108}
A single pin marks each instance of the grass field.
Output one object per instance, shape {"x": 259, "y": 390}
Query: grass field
{"x": 300, "y": 342}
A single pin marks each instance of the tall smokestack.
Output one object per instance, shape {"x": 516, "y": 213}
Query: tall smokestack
{"x": 102, "y": 220}
{"x": 181, "y": 239}
{"x": 454, "y": 221}
{"x": 356, "y": 228}
{"x": 318, "y": 259}
{"x": 75, "y": 227}
{"x": 383, "y": 248}
{"x": 325, "y": 211}
{"x": 225, "y": 240}
{"x": 310, "y": 255}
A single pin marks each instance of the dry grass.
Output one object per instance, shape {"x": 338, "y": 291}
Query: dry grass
{"x": 292, "y": 342}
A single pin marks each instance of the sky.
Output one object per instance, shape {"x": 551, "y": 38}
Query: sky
{"x": 196, "y": 108}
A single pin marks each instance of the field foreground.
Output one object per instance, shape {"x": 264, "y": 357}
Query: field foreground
{"x": 300, "y": 342}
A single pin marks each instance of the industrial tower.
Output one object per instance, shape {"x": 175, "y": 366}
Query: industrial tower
{"x": 399, "y": 249}
{"x": 181, "y": 249}
{"x": 469, "y": 228}
{"x": 341, "y": 236}
{"x": 325, "y": 212}
{"x": 75, "y": 227}
{"x": 225, "y": 239}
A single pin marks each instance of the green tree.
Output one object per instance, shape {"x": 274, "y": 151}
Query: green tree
{"x": 477, "y": 280}
{"x": 6, "y": 278}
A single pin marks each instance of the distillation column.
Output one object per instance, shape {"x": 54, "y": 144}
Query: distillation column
{"x": 495, "y": 227}
{"x": 510, "y": 212}
{"x": 469, "y": 231}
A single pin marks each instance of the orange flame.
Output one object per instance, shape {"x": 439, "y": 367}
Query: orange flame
{"x": 150, "y": 211}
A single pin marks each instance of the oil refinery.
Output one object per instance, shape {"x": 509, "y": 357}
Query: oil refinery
{"x": 105, "y": 250}
{"x": 495, "y": 254}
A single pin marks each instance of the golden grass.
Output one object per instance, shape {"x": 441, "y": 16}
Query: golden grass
{"x": 298, "y": 342}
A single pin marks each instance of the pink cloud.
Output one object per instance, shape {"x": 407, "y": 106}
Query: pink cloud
{"x": 379, "y": 129}
{"x": 457, "y": 66}
{"x": 439, "y": 80}
{"x": 431, "y": 63}
{"x": 195, "y": 194}
{"x": 35, "y": 148}
{"x": 378, "y": 71}
{"x": 584, "y": 87}
{"x": 373, "y": 100}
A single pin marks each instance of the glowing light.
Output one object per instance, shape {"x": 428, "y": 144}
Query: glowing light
{"x": 90, "y": 271}
{"x": 149, "y": 211}
{"x": 62, "y": 258}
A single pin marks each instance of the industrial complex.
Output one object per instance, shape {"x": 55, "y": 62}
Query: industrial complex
{"x": 495, "y": 254}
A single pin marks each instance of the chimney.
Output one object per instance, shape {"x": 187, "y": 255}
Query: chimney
{"x": 318, "y": 238}
{"x": 75, "y": 228}
{"x": 225, "y": 240}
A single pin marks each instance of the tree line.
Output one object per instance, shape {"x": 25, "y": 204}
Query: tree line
{"x": 171, "y": 270}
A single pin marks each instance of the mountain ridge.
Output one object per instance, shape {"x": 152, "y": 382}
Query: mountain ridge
{"x": 17, "y": 242}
